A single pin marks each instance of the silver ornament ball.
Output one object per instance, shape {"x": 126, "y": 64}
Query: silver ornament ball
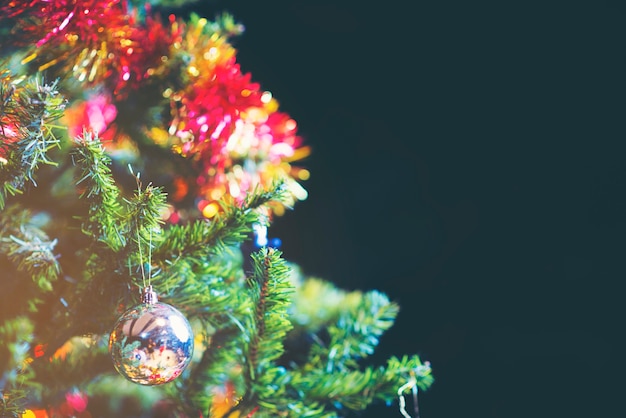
{"x": 152, "y": 343}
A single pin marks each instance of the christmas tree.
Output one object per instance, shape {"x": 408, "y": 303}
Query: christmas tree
{"x": 140, "y": 170}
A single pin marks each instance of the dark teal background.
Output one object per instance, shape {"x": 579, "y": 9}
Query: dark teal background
{"x": 468, "y": 160}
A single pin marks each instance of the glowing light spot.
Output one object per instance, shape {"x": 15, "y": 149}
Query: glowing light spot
{"x": 271, "y": 106}
{"x": 166, "y": 212}
{"x": 174, "y": 218}
{"x": 282, "y": 149}
{"x": 29, "y": 58}
{"x": 48, "y": 64}
{"x": 193, "y": 71}
{"x": 238, "y": 171}
{"x": 266, "y": 97}
{"x": 256, "y": 114}
{"x": 211, "y": 54}
{"x": 93, "y": 72}
{"x": 39, "y": 350}
{"x": 220, "y": 127}
{"x": 261, "y": 235}
{"x": 300, "y": 153}
{"x": 245, "y": 92}
{"x": 234, "y": 189}
{"x": 216, "y": 194}
{"x": 202, "y": 204}
{"x": 129, "y": 51}
{"x": 210, "y": 210}
{"x": 126, "y": 76}
{"x": 291, "y": 124}
{"x": 77, "y": 401}
{"x": 66, "y": 21}
{"x": 279, "y": 210}
{"x": 304, "y": 174}
{"x": 298, "y": 191}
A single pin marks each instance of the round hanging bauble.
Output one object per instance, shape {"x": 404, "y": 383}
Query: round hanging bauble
{"x": 151, "y": 344}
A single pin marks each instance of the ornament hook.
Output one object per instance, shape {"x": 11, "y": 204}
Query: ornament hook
{"x": 149, "y": 296}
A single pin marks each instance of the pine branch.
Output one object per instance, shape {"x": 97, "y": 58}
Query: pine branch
{"x": 316, "y": 393}
{"x": 202, "y": 238}
{"x": 17, "y": 379}
{"x": 345, "y": 390}
{"x": 356, "y": 390}
{"x": 119, "y": 229}
{"x": 277, "y": 192}
{"x": 399, "y": 371}
{"x": 356, "y": 333}
{"x": 142, "y": 225}
{"x": 352, "y": 323}
{"x": 99, "y": 190}
{"x": 342, "y": 328}
{"x": 270, "y": 289}
{"x": 27, "y": 134}
{"x": 144, "y": 211}
{"x": 30, "y": 250}
{"x": 209, "y": 288}
{"x": 12, "y": 402}
{"x": 16, "y": 335}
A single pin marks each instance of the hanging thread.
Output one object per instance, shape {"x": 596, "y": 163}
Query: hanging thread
{"x": 143, "y": 273}
{"x": 148, "y": 294}
{"x": 410, "y": 384}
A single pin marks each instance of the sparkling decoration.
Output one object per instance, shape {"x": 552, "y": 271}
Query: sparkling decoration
{"x": 96, "y": 41}
{"x": 227, "y": 125}
{"x": 152, "y": 343}
{"x": 95, "y": 114}
{"x": 228, "y": 129}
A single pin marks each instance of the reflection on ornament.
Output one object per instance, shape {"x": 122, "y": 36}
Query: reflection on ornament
{"x": 152, "y": 343}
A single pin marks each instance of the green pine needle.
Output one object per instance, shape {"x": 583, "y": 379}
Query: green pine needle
{"x": 99, "y": 190}
{"x": 270, "y": 289}
{"x": 27, "y": 130}
{"x": 29, "y": 249}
